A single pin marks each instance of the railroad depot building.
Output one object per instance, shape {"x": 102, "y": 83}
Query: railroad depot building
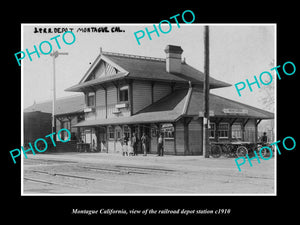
{"x": 128, "y": 93}
{"x": 68, "y": 112}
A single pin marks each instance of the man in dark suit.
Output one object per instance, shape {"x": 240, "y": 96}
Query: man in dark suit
{"x": 134, "y": 142}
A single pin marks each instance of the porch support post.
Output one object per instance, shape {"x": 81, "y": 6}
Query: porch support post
{"x": 105, "y": 103}
{"x": 186, "y": 122}
{"x": 255, "y": 130}
{"x": 245, "y": 121}
{"x": 130, "y": 97}
{"x": 230, "y": 128}
{"x": 174, "y": 126}
{"x": 230, "y": 132}
{"x": 152, "y": 91}
{"x": 217, "y": 122}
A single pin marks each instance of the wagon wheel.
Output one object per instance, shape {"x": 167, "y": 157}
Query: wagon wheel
{"x": 241, "y": 151}
{"x": 216, "y": 151}
{"x": 41, "y": 146}
{"x": 264, "y": 152}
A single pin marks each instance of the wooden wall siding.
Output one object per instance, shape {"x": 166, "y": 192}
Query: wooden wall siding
{"x": 250, "y": 131}
{"x": 100, "y": 97}
{"x": 169, "y": 146}
{"x": 179, "y": 129}
{"x": 90, "y": 116}
{"x": 36, "y": 125}
{"x": 141, "y": 95}
{"x": 111, "y": 146}
{"x": 73, "y": 122}
{"x": 195, "y": 137}
{"x": 112, "y": 93}
{"x": 100, "y": 112}
{"x": 112, "y": 107}
{"x": 250, "y": 124}
{"x": 153, "y": 145}
{"x": 160, "y": 90}
{"x": 112, "y": 100}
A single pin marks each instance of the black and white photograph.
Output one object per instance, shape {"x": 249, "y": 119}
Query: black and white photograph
{"x": 144, "y": 112}
{"x": 145, "y": 109}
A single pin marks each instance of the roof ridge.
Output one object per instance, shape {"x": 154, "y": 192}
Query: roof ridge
{"x": 263, "y": 111}
{"x": 57, "y": 99}
{"x": 134, "y": 56}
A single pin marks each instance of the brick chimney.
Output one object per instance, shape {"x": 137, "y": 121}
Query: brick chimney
{"x": 173, "y": 58}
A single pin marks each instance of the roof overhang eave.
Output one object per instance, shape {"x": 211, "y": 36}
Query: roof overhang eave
{"x": 81, "y": 87}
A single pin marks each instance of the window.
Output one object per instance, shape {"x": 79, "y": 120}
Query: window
{"x": 82, "y": 136}
{"x": 66, "y": 124}
{"x": 123, "y": 94}
{"x": 236, "y": 132}
{"x": 168, "y": 130}
{"x": 88, "y": 136}
{"x": 126, "y": 131}
{"x": 118, "y": 133}
{"x": 223, "y": 130}
{"x": 111, "y": 133}
{"x": 212, "y": 130}
{"x": 91, "y": 99}
{"x": 154, "y": 131}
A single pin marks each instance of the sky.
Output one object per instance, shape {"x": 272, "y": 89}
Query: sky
{"x": 237, "y": 52}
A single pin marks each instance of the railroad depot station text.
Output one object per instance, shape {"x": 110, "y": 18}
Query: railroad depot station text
{"x": 50, "y": 30}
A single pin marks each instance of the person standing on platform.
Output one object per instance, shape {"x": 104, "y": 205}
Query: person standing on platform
{"x": 125, "y": 145}
{"x": 144, "y": 140}
{"x": 160, "y": 146}
{"x": 264, "y": 138}
{"x": 134, "y": 143}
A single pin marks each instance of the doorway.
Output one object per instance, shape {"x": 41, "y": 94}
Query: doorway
{"x": 146, "y": 129}
{"x": 102, "y": 139}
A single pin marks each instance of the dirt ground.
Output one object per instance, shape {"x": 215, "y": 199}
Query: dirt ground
{"x": 113, "y": 174}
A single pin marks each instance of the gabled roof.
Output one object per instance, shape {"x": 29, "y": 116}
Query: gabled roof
{"x": 173, "y": 104}
{"x": 171, "y": 108}
{"x": 65, "y": 105}
{"x": 220, "y": 104}
{"x": 155, "y": 69}
{"x": 144, "y": 68}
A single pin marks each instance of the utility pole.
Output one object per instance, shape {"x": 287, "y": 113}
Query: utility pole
{"x": 54, "y": 55}
{"x": 206, "y": 145}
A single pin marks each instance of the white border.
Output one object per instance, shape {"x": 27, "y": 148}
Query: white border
{"x": 144, "y": 24}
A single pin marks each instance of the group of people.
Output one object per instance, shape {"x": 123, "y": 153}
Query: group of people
{"x": 130, "y": 146}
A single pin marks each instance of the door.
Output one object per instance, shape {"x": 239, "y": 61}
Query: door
{"x": 102, "y": 139}
{"x": 119, "y": 135}
{"x": 146, "y": 131}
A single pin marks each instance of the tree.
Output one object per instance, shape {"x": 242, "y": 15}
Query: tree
{"x": 268, "y": 92}
{"x": 268, "y": 100}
